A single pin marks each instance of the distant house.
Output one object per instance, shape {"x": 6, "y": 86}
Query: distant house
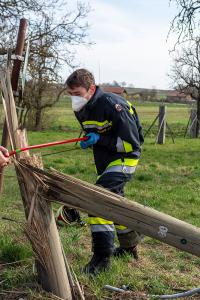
{"x": 145, "y": 94}
{"x": 177, "y": 96}
{"x": 153, "y": 95}
{"x": 115, "y": 90}
{"x": 171, "y": 96}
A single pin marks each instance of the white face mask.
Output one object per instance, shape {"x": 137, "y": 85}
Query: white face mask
{"x": 78, "y": 102}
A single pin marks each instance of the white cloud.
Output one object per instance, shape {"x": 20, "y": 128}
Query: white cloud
{"x": 130, "y": 43}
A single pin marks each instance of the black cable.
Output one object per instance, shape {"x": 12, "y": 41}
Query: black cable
{"x": 71, "y": 149}
{"x": 67, "y": 149}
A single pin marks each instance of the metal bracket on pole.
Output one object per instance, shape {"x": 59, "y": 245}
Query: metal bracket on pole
{"x": 17, "y": 57}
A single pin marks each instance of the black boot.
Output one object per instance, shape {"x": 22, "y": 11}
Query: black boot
{"x": 97, "y": 264}
{"x": 119, "y": 252}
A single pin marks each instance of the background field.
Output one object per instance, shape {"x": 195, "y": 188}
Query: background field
{"x": 167, "y": 179}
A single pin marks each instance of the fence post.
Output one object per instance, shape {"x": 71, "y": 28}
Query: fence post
{"x": 193, "y": 123}
{"x": 161, "y": 125}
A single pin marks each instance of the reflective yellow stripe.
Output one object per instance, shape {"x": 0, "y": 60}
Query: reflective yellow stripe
{"x": 120, "y": 227}
{"x": 127, "y": 146}
{"x": 130, "y": 162}
{"x": 97, "y": 123}
{"x": 97, "y": 220}
{"x": 130, "y": 107}
{"x": 95, "y": 168}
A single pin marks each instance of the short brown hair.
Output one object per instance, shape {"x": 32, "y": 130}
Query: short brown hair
{"x": 80, "y": 77}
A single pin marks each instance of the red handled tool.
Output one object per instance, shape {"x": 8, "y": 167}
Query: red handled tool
{"x": 13, "y": 152}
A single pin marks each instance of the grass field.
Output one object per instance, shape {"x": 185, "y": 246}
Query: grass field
{"x": 167, "y": 179}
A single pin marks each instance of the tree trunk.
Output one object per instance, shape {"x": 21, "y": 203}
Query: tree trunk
{"x": 25, "y": 118}
{"x": 198, "y": 118}
{"x": 38, "y": 120}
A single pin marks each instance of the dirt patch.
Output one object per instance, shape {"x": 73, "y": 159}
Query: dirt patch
{"x": 130, "y": 295}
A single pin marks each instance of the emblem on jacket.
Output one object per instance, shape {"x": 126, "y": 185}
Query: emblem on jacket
{"x": 118, "y": 107}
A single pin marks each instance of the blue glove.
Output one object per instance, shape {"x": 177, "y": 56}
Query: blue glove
{"x": 92, "y": 139}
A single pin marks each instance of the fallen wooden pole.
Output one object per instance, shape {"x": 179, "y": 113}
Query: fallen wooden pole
{"x": 97, "y": 201}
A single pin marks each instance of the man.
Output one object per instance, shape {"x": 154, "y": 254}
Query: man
{"x": 4, "y": 156}
{"x": 114, "y": 131}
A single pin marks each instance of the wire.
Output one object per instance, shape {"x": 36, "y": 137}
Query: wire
{"x": 52, "y": 153}
{"x": 178, "y": 295}
{"x": 174, "y": 296}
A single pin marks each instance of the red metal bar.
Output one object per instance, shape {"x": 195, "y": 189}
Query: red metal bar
{"x": 47, "y": 145}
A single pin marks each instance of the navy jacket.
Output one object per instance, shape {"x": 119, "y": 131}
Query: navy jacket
{"x": 117, "y": 122}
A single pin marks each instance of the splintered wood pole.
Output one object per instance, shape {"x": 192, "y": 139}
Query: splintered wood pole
{"x": 161, "y": 125}
{"x": 18, "y": 57}
{"x": 40, "y": 228}
{"x": 97, "y": 201}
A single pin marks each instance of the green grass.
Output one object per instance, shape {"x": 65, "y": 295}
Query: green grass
{"x": 167, "y": 179}
{"x": 10, "y": 251}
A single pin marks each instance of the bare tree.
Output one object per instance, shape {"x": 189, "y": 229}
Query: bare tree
{"x": 123, "y": 84}
{"x": 13, "y": 8}
{"x": 51, "y": 41}
{"x": 185, "y": 73}
{"x": 53, "y": 35}
{"x": 152, "y": 94}
{"x": 10, "y": 13}
{"x": 187, "y": 21}
{"x": 114, "y": 83}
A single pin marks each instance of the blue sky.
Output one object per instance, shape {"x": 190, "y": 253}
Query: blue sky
{"x": 130, "y": 42}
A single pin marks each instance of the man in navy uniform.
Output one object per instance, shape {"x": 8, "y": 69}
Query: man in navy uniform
{"x": 115, "y": 134}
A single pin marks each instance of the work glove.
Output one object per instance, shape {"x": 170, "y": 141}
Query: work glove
{"x": 92, "y": 139}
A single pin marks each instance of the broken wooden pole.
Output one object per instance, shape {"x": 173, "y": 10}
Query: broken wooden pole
{"x": 18, "y": 57}
{"x": 41, "y": 227}
{"x": 42, "y": 232}
{"x": 101, "y": 202}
